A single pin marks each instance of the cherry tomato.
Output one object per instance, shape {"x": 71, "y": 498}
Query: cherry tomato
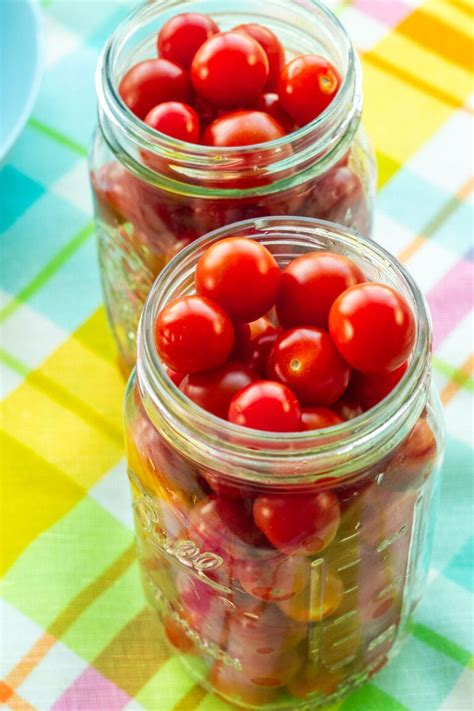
{"x": 302, "y": 524}
{"x": 214, "y": 389}
{"x": 270, "y": 104}
{"x": 414, "y": 461}
{"x": 373, "y": 327}
{"x": 272, "y": 48}
{"x": 235, "y": 684}
{"x": 193, "y": 334}
{"x": 258, "y": 351}
{"x": 174, "y": 376}
{"x": 266, "y": 405}
{"x": 226, "y": 527}
{"x": 313, "y": 678}
{"x": 230, "y": 70}
{"x": 371, "y": 388}
{"x": 246, "y": 332}
{"x": 262, "y": 627}
{"x": 318, "y": 418}
{"x": 177, "y": 636}
{"x": 306, "y": 360}
{"x": 347, "y": 407}
{"x": 320, "y": 600}
{"x": 223, "y": 486}
{"x": 241, "y": 276}
{"x": 205, "y": 608}
{"x": 152, "y": 82}
{"x": 273, "y": 577}
{"x": 180, "y": 38}
{"x": 242, "y": 128}
{"x": 307, "y": 86}
{"x": 338, "y": 196}
{"x": 176, "y": 120}
{"x": 309, "y": 286}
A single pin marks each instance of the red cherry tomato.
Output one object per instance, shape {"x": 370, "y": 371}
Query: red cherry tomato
{"x": 193, "y": 334}
{"x": 214, "y": 389}
{"x": 373, "y": 327}
{"x": 265, "y": 405}
{"x": 262, "y": 627}
{"x": 180, "y": 38}
{"x": 338, "y": 196}
{"x": 371, "y": 388}
{"x": 177, "y": 636}
{"x": 309, "y": 286}
{"x": 317, "y": 418}
{"x": 230, "y": 70}
{"x": 223, "y": 486}
{"x": 272, "y": 48}
{"x": 273, "y": 577}
{"x": 306, "y": 360}
{"x": 307, "y": 86}
{"x": 267, "y": 670}
{"x": 256, "y": 352}
{"x": 320, "y": 600}
{"x": 245, "y": 332}
{"x": 270, "y": 104}
{"x": 242, "y": 128}
{"x": 173, "y": 375}
{"x": 152, "y": 82}
{"x": 301, "y": 524}
{"x": 241, "y": 276}
{"x": 204, "y": 607}
{"x": 176, "y": 120}
{"x": 347, "y": 407}
{"x": 414, "y": 461}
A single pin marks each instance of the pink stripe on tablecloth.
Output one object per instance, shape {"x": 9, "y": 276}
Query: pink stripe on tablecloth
{"x": 92, "y": 691}
{"x": 390, "y": 12}
{"x": 451, "y": 299}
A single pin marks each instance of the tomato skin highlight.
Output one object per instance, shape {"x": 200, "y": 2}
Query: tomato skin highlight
{"x": 183, "y": 325}
{"x": 230, "y": 54}
{"x": 152, "y": 82}
{"x": 373, "y": 327}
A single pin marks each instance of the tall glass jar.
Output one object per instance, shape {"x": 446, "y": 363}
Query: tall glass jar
{"x": 296, "y": 628}
{"x": 155, "y": 194}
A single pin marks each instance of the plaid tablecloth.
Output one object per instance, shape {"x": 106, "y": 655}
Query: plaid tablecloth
{"x": 75, "y": 631}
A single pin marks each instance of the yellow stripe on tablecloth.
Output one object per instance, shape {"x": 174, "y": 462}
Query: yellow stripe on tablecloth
{"x": 433, "y": 73}
{"x": 448, "y": 12}
{"x": 398, "y": 117}
{"x": 63, "y": 437}
{"x": 89, "y": 378}
{"x": 27, "y": 504}
{"x": 433, "y": 32}
{"x": 95, "y": 334}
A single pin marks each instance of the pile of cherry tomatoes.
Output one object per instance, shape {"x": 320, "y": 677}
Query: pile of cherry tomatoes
{"x": 298, "y": 349}
{"x": 226, "y": 88}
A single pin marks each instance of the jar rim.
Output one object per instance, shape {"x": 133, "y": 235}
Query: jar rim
{"x": 345, "y": 107}
{"x": 381, "y": 421}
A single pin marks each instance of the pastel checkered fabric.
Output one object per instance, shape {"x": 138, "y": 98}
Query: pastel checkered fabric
{"x": 76, "y": 633}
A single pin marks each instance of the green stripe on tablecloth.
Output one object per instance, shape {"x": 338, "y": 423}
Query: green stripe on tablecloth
{"x": 13, "y": 363}
{"x": 48, "y": 270}
{"x": 370, "y": 698}
{"x": 57, "y": 135}
{"x": 442, "y": 644}
{"x": 457, "y": 376}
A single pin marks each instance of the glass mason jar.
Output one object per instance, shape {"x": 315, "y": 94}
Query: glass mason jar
{"x": 155, "y": 194}
{"x": 298, "y": 628}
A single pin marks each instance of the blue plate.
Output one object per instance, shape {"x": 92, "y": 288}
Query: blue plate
{"x": 21, "y": 64}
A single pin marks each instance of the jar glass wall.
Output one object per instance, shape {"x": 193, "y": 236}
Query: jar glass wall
{"x": 301, "y": 626}
{"x": 154, "y": 194}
